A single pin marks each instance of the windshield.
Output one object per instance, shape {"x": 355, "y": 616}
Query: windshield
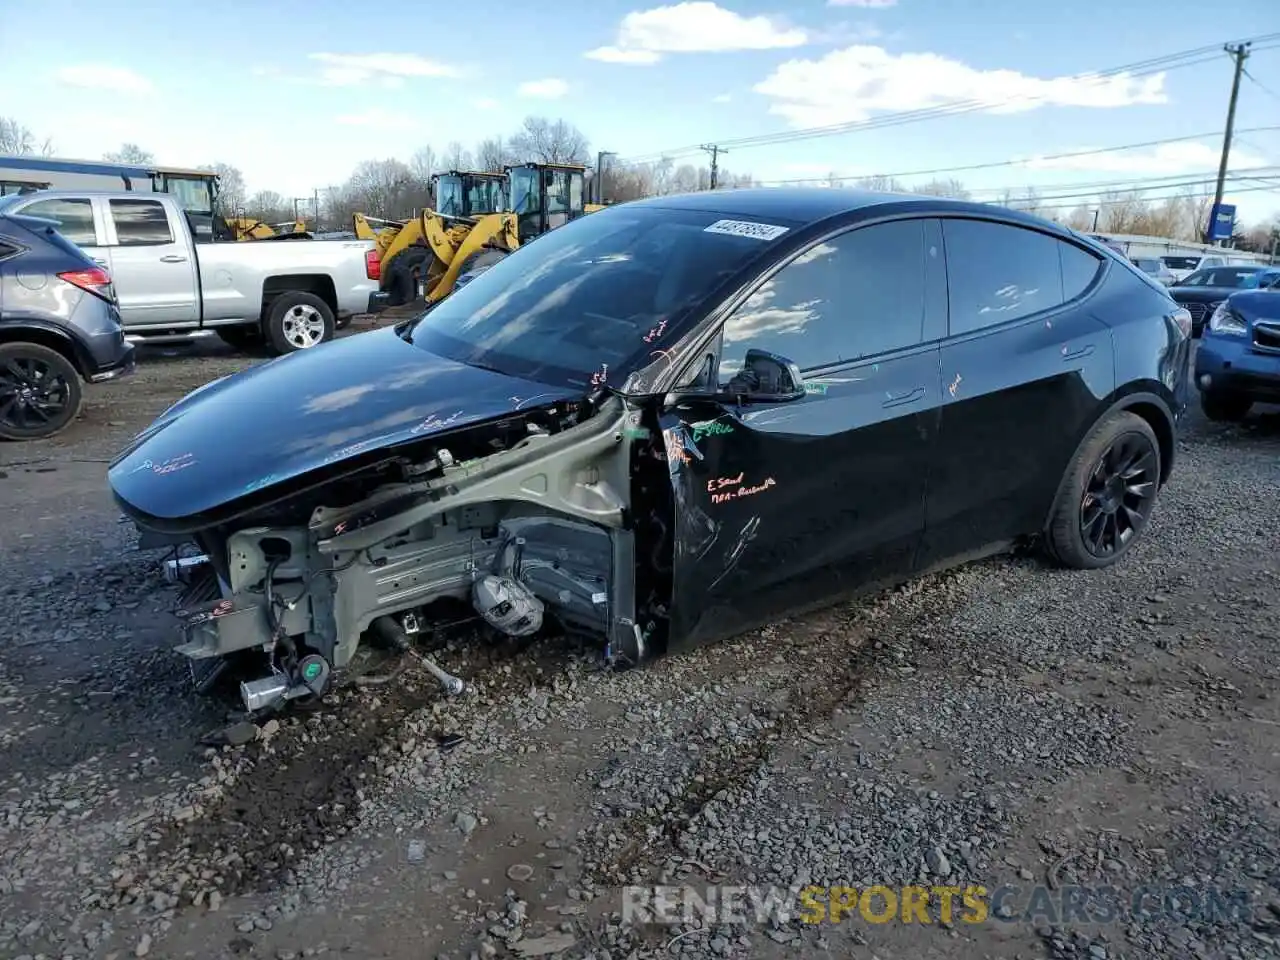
{"x": 1222, "y": 277}
{"x": 524, "y": 190}
{"x": 449, "y": 196}
{"x": 590, "y": 302}
{"x": 1261, "y": 279}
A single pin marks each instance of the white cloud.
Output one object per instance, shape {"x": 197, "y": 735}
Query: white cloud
{"x": 858, "y": 81}
{"x": 552, "y": 88}
{"x": 865, "y": 4}
{"x": 352, "y": 69}
{"x": 105, "y": 79}
{"x": 485, "y": 103}
{"x": 1168, "y": 158}
{"x": 616, "y": 55}
{"x": 722, "y": 98}
{"x": 696, "y": 26}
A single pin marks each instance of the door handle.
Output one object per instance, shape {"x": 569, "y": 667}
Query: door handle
{"x": 904, "y": 396}
{"x": 99, "y": 261}
{"x": 173, "y": 258}
{"x": 1075, "y": 353}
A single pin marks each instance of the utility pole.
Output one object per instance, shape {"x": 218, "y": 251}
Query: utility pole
{"x": 1095, "y": 221}
{"x": 1239, "y": 53}
{"x": 715, "y": 150}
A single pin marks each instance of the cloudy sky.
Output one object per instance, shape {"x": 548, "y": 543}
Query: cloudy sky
{"x": 296, "y": 94}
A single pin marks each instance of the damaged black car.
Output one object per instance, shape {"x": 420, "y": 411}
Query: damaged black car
{"x": 667, "y": 422}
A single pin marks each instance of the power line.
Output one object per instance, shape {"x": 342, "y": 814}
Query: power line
{"x": 1262, "y": 86}
{"x": 1112, "y": 203}
{"x": 994, "y": 164}
{"x": 1141, "y": 68}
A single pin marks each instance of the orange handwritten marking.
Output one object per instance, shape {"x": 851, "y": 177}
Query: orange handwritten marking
{"x": 720, "y": 494}
{"x": 675, "y": 447}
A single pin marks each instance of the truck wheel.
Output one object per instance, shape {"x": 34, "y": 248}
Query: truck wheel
{"x": 298, "y": 321}
{"x": 40, "y": 392}
{"x": 1224, "y": 407}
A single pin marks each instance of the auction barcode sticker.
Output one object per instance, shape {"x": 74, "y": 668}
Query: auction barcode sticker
{"x": 746, "y": 228}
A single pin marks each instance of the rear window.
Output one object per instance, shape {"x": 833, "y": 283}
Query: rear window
{"x": 75, "y": 218}
{"x": 596, "y": 299}
{"x": 1181, "y": 263}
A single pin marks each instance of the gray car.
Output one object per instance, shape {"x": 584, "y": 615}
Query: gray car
{"x": 59, "y": 327}
{"x": 1155, "y": 268}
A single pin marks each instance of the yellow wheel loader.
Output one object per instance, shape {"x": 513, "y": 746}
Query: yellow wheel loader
{"x": 478, "y": 219}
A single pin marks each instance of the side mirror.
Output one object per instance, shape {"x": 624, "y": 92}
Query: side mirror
{"x": 765, "y": 378}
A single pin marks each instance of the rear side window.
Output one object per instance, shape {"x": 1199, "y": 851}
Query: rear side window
{"x": 997, "y": 273}
{"x": 75, "y": 218}
{"x": 1079, "y": 267}
{"x": 7, "y": 249}
{"x": 140, "y": 222}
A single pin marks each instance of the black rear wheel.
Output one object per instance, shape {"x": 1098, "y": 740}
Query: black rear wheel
{"x": 40, "y": 392}
{"x": 1107, "y": 494}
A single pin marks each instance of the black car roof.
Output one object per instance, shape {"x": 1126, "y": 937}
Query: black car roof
{"x": 811, "y": 205}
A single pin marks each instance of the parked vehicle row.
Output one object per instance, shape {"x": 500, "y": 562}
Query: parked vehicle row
{"x": 59, "y": 326}
{"x": 1202, "y": 291}
{"x": 670, "y": 420}
{"x": 290, "y": 296}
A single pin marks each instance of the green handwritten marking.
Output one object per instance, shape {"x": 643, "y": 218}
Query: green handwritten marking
{"x": 710, "y": 429}
{"x": 312, "y": 671}
{"x": 636, "y": 433}
{"x": 815, "y": 388}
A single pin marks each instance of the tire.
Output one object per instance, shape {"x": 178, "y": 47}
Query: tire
{"x": 1095, "y": 523}
{"x": 402, "y": 275}
{"x": 298, "y": 321}
{"x": 241, "y": 337}
{"x": 40, "y": 392}
{"x": 1224, "y": 407}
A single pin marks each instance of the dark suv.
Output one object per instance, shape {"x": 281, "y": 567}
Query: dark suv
{"x": 59, "y": 325}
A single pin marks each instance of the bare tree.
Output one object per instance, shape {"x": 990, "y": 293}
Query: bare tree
{"x": 951, "y": 187}
{"x": 269, "y": 207}
{"x": 456, "y": 157}
{"x": 550, "y": 141}
{"x": 231, "y": 189}
{"x": 881, "y": 184}
{"x": 129, "y": 153}
{"x": 15, "y": 139}
{"x": 493, "y": 154}
{"x": 423, "y": 164}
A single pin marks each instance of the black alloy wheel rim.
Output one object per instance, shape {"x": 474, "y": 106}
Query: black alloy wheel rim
{"x": 32, "y": 394}
{"x": 1118, "y": 495}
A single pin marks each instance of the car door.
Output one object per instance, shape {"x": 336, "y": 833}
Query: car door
{"x": 151, "y": 263}
{"x": 1023, "y": 369}
{"x": 785, "y": 503}
{"x": 76, "y": 222}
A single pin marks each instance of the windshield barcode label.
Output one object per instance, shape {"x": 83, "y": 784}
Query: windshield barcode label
{"x": 745, "y": 228}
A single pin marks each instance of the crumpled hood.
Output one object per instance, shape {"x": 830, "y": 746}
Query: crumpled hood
{"x": 286, "y": 417}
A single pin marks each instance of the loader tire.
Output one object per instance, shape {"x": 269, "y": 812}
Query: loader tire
{"x": 402, "y": 275}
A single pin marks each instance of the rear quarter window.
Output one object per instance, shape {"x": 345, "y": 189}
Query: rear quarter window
{"x": 998, "y": 272}
{"x": 1079, "y": 267}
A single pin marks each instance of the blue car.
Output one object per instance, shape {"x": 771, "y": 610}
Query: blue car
{"x": 1238, "y": 363}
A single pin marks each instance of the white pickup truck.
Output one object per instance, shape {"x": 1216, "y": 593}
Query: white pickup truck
{"x": 292, "y": 293}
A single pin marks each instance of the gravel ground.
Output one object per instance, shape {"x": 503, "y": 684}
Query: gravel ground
{"x": 1006, "y": 724}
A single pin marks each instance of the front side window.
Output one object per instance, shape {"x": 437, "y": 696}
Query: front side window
{"x": 75, "y": 218}
{"x": 592, "y": 301}
{"x": 997, "y": 272}
{"x": 140, "y": 222}
{"x": 449, "y": 196}
{"x": 856, "y": 295}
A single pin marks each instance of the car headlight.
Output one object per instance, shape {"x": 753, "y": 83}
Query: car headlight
{"x": 1224, "y": 320}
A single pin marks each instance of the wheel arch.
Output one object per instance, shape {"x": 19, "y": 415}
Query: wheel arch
{"x": 317, "y": 284}
{"x": 56, "y": 338}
